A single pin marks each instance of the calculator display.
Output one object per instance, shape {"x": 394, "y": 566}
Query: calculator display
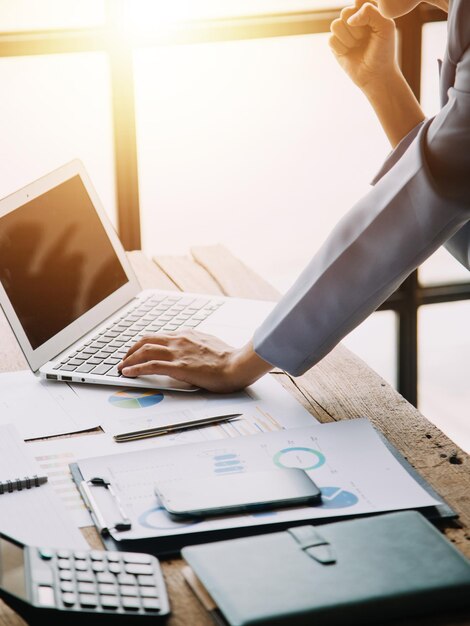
{"x": 12, "y": 568}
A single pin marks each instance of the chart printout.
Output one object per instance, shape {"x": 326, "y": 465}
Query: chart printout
{"x": 355, "y": 471}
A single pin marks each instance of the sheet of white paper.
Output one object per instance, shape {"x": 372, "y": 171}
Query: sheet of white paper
{"x": 34, "y": 516}
{"x": 15, "y": 460}
{"x": 357, "y": 474}
{"x": 266, "y": 406}
{"x": 41, "y": 409}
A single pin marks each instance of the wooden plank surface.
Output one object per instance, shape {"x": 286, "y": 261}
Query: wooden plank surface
{"x": 233, "y": 276}
{"x": 187, "y": 275}
{"x": 149, "y": 274}
{"x": 340, "y": 387}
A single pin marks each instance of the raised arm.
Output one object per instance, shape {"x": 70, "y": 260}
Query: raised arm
{"x": 364, "y": 43}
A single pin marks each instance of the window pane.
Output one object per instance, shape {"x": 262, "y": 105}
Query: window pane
{"x": 57, "y": 109}
{"x": 444, "y": 389}
{"x": 441, "y": 266}
{"x": 19, "y": 15}
{"x": 433, "y": 48}
{"x": 375, "y": 342}
{"x": 236, "y": 136}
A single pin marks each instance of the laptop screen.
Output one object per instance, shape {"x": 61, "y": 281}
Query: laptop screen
{"x": 56, "y": 260}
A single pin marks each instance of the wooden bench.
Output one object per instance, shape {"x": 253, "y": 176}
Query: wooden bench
{"x": 341, "y": 387}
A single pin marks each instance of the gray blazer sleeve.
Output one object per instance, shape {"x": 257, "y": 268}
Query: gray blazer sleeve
{"x": 459, "y": 244}
{"x": 420, "y": 203}
{"x": 397, "y": 153}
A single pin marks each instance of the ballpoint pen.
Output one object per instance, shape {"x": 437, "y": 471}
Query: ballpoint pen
{"x": 166, "y": 430}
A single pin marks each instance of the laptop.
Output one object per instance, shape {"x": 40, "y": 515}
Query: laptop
{"x": 72, "y": 299}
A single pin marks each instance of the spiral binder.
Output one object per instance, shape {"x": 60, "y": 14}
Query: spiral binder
{"x": 18, "y": 484}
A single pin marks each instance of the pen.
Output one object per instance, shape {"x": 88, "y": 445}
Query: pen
{"x": 166, "y": 430}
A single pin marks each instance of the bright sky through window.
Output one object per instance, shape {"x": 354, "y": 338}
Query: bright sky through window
{"x": 145, "y": 15}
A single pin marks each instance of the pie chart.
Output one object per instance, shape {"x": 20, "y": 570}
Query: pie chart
{"x": 303, "y": 458}
{"x": 135, "y": 399}
{"x": 158, "y": 519}
{"x": 337, "y": 498}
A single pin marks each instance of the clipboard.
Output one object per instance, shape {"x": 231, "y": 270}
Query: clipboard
{"x": 107, "y": 513}
{"x": 104, "y": 505}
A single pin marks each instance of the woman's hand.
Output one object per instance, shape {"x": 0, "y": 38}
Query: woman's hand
{"x": 195, "y": 358}
{"x": 364, "y": 43}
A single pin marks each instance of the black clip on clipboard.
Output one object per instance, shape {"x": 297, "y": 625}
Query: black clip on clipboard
{"x": 104, "y": 505}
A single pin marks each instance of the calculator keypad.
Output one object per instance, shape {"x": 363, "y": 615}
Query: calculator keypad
{"x": 110, "y": 582}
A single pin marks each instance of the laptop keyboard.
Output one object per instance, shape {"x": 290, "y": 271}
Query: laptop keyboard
{"x": 101, "y": 354}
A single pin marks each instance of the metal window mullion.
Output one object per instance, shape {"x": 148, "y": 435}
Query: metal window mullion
{"x": 125, "y": 147}
{"x": 410, "y": 29}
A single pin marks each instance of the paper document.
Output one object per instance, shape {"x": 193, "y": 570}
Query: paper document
{"x": 355, "y": 471}
{"x": 34, "y": 516}
{"x": 39, "y": 408}
{"x": 265, "y": 405}
{"x": 54, "y": 456}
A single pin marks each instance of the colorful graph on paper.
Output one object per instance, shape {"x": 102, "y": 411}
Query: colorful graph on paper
{"x": 129, "y": 399}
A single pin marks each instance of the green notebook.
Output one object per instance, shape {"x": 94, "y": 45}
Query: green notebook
{"x": 361, "y": 571}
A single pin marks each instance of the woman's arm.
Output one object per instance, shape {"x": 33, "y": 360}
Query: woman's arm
{"x": 422, "y": 201}
{"x": 396, "y": 107}
{"x": 420, "y": 204}
{"x": 364, "y": 43}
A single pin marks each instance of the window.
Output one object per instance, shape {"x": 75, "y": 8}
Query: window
{"x": 232, "y": 136}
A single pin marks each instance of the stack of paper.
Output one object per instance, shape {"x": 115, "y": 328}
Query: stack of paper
{"x": 34, "y": 516}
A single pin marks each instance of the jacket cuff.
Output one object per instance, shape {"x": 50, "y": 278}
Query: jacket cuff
{"x": 398, "y": 152}
{"x": 459, "y": 245}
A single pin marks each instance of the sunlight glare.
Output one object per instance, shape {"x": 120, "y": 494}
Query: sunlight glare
{"x": 151, "y": 15}
{"x": 144, "y": 16}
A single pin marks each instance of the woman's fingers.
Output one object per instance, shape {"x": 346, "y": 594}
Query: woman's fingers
{"x": 369, "y": 15}
{"x": 158, "y": 340}
{"x": 146, "y": 351}
{"x": 343, "y": 33}
{"x": 337, "y": 46}
{"x": 163, "y": 368}
{"x": 357, "y": 32}
{"x": 345, "y": 37}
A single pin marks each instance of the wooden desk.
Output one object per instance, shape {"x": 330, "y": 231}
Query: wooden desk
{"x": 340, "y": 387}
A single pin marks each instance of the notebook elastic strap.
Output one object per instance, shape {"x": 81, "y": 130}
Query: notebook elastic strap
{"x": 313, "y": 544}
